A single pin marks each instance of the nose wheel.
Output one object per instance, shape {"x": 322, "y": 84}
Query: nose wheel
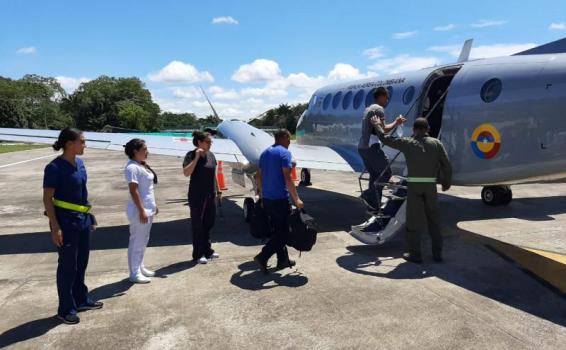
{"x": 496, "y": 195}
{"x": 305, "y": 177}
{"x": 248, "y": 208}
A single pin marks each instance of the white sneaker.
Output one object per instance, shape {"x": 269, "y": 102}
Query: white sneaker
{"x": 147, "y": 272}
{"x": 202, "y": 260}
{"x": 214, "y": 256}
{"x": 140, "y": 279}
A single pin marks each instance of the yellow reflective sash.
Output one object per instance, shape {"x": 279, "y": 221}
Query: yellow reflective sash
{"x": 422, "y": 179}
{"x": 71, "y": 206}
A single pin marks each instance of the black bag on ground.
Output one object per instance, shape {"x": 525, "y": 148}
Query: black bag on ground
{"x": 302, "y": 231}
{"x": 259, "y": 222}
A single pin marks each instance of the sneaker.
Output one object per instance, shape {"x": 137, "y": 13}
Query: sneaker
{"x": 69, "y": 319}
{"x": 203, "y": 260}
{"x": 90, "y": 305}
{"x": 262, "y": 265}
{"x": 147, "y": 272}
{"x": 214, "y": 255}
{"x": 141, "y": 279}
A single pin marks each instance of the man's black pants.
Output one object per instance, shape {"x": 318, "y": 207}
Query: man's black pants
{"x": 278, "y": 212}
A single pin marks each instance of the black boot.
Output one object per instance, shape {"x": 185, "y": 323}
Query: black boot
{"x": 284, "y": 264}
{"x": 412, "y": 257}
{"x": 262, "y": 264}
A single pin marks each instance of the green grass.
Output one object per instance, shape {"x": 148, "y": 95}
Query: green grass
{"x": 5, "y": 148}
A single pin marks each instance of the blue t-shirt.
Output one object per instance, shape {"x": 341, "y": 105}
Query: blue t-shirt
{"x": 271, "y": 162}
{"x": 68, "y": 181}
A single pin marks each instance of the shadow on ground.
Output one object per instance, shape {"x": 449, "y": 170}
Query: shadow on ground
{"x": 250, "y": 278}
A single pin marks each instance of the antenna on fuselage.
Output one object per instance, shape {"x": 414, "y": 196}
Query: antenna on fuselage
{"x": 466, "y": 49}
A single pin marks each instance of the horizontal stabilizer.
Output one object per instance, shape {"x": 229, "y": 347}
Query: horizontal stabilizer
{"x": 558, "y": 46}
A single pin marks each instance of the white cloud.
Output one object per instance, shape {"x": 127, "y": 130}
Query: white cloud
{"x": 177, "y": 71}
{"x": 485, "y": 51}
{"x": 403, "y": 63}
{"x": 404, "y": 35}
{"x": 259, "y": 70}
{"x": 263, "y": 92}
{"x": 187, "y": 92}
{"x": 27, "y": 50}
{"x": 70, "y": 84}
{"x": 223, "y": 94}
{"x": 444, "y": 28}
{"x": 488, "y": 23}
{"x": 344, "y": 71}
{"x": 374, "y": 52}
{"x": 224, "y": 20}
{"x": 557, "y": 26}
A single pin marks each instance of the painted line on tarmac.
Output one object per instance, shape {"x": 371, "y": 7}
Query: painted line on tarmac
{"x": 24, "y": 161}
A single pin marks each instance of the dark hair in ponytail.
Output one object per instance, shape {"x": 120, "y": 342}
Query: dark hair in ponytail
{"x": 199, "y": 136}
{"x": 136, "y": 145}
{"x": 66, "y": 135}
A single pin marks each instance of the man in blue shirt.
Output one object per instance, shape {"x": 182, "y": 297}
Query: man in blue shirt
{"x": 276, "y": 185}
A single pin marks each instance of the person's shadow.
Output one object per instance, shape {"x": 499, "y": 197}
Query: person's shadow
{"x": 29, "y": 330}
{"x": 250, "y": 278}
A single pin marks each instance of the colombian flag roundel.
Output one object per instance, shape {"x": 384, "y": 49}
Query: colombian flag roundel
{"x": 486, "y": 141}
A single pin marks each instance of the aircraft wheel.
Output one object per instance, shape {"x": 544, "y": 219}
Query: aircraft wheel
{"x": 305, "y": 177}
{"x": 248, "y": 208}
{"x": 496, "y": 195}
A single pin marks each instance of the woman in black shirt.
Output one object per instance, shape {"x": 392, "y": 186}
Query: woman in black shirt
{"x": 200, "y": 165}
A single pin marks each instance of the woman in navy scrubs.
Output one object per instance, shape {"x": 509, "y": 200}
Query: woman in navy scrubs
{"x": 66, "y": 202}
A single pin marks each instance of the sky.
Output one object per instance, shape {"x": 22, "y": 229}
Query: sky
{"x": 252, "y": 55}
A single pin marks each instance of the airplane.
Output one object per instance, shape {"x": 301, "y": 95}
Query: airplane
{"x": 501, "y": 121}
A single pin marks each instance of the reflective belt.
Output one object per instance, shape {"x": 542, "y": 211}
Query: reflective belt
{"x": 71, "y": 206}
{"x": 422, "y": 179}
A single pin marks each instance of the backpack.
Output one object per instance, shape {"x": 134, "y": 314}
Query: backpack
{"x": 259, "y": 222}
{"x": 302, "y": 231}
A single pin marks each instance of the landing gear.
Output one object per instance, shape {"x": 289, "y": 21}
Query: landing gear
{"x": 496, "y": 195}
{"x": 305, "y": 177}
{"x": 248, "y": 208}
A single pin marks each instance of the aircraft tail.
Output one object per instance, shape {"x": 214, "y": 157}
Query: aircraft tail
{"x": 558, "y": 46}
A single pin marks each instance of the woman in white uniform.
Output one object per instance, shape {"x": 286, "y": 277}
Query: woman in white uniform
{"x": 141, "y": 208}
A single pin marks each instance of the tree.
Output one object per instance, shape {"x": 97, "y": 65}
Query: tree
{"x": 283, "y": 116}
{"x": 174, "y": 121}
{"x": 110, "y": 101}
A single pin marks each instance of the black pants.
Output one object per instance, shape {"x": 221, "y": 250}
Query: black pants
{"x": 73, "y": 261}
{"x": 278, "y": 212}
{"x": 375, "y": 162}
{"x": 203, "y": 215}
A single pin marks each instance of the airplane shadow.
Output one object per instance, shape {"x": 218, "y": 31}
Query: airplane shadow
{"x": 229, "y": 226}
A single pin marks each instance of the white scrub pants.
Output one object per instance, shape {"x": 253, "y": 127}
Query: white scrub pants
{"x": 139, "y": 236}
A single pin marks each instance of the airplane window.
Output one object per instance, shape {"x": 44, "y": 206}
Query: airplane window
{"x": 490, "y": 90}
{"x": 336, "y": 99}
{"x": 312, "y": 102}
{"x": 358, "y": 98}
{"x": 347, "y": 100}
{"x": 369, "y": 98}
{"x": 408, "y": 95}
{"x": 326, "y": 102}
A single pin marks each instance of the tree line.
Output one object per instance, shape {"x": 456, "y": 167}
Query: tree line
{"x": 38, "y": 102}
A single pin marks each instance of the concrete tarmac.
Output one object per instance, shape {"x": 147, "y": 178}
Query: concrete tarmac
{"x": 489, "y": 293}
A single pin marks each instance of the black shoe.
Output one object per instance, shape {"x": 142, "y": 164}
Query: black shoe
{"x": 437, "y": 258}
{"x": 69, "y": 319}
{"x": 286, "y": 264}
{"x": 90, "y": 305}
{"x": 262, "y": 265}
{"x": 412, "y": 258}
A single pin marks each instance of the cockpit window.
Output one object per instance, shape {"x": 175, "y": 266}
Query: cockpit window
{"x": 347, "y": 100}
{"x": 408, "y": 95}
{"x": 336, "y": 99}
{"x": 369, "y": 98}
{"x": 312, "y": 102}
{"x": 490, "y": 90}
{"x": 326, "y": 102}
{"x": 358, "y": 98}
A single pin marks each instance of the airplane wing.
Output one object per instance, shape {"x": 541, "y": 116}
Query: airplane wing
{"x": 324, "y": 158}
{"x": 224, "y": 150}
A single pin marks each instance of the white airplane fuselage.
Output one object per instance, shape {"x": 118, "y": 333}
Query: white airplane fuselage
{"x": 502, "y": 120}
